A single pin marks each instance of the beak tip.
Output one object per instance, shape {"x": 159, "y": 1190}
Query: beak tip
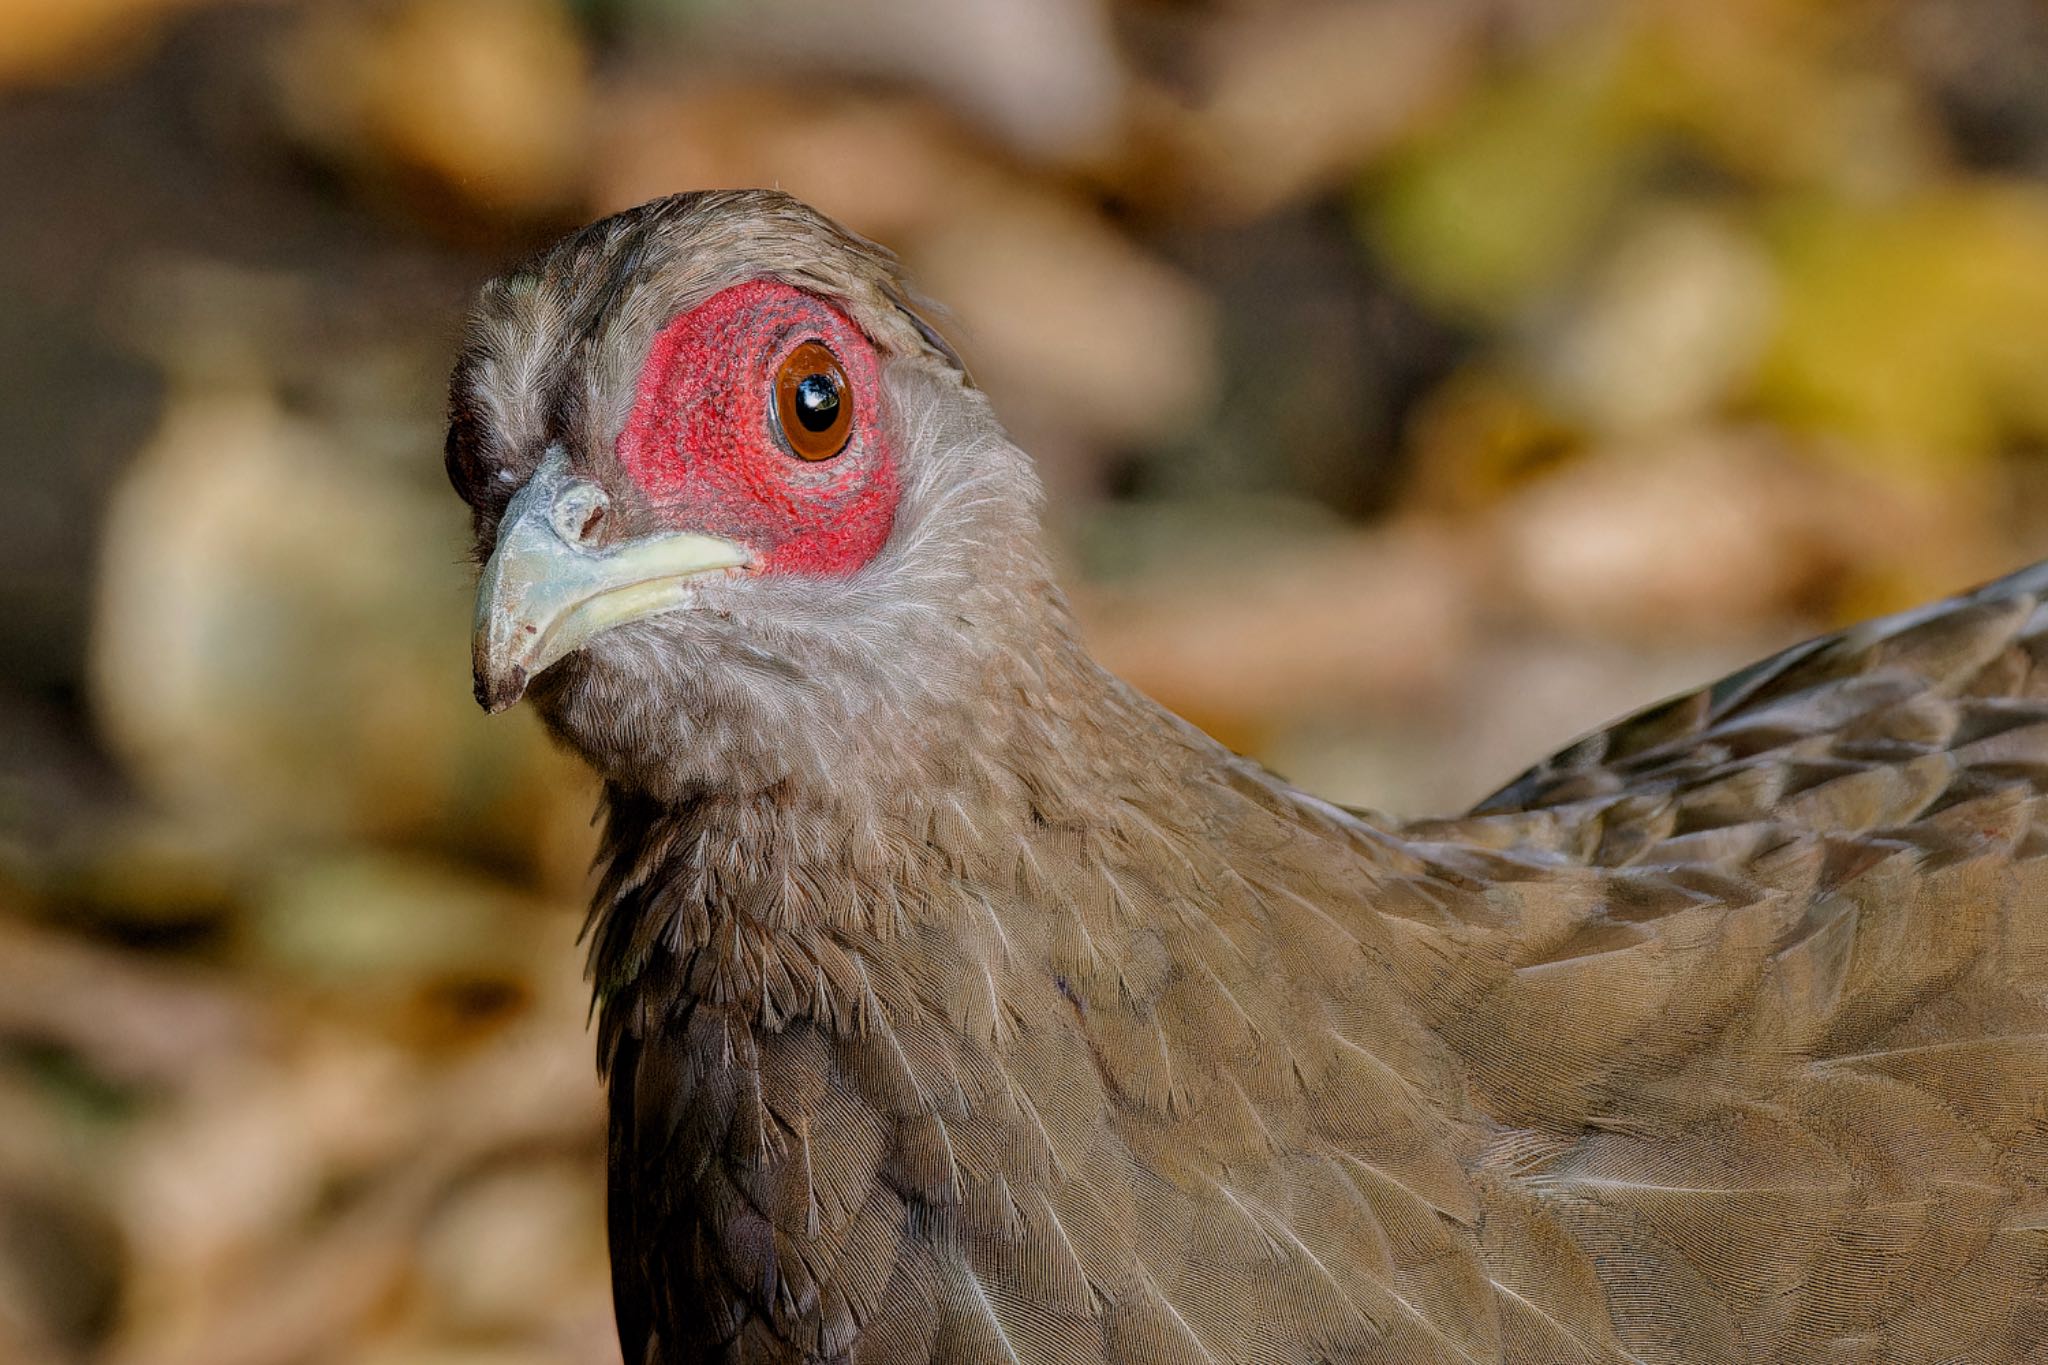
{"x": 494, "y": 694}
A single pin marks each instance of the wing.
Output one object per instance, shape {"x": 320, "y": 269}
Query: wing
{"x": 1950, "y": 678}
{"x": 1762, "y": 1015}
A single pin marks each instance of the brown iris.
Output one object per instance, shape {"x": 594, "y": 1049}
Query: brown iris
{"x": 813, "y": 402}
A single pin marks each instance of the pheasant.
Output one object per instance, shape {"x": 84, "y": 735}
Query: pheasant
{"x": 959, "y": 1004}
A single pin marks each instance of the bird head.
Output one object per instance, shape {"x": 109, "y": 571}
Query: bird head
{"x": 736, "y": 504}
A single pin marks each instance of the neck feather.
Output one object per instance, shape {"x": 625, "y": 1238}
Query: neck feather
{"x": 853, "y": 1029}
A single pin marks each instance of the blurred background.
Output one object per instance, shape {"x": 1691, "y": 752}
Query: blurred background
{"x": 1420, "y": 382}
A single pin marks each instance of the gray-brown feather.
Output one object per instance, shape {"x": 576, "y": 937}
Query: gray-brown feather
{"x": 961, "y": 1005}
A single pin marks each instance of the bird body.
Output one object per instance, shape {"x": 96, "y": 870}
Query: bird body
{"x": 959, "y": 1004}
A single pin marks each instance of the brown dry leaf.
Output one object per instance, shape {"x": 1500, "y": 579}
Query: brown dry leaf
{"x": 1783, "y": 91}
{"x": 1044, "y": 76}
{"x": 130, "y": 1020}
{"x": 242, "y": 1160}
{"x": 42, "y": 40}
{"x": 1699, "y": 535}
{"x": 1298, "y": 101}
{"x": 1481, "y": 434}
{"x": 1350, "y": 622}
{"x": 487, "y": 98}
{"x": 1667, "y": 542}
{"x": 511, "y": 1246}
{"x": 497, "y": 1353}
{"x": 884, "y": 166}
{"x": 1078, "y": 328}
{"x": 277, "y": 1207}
{"x": 1672, "y": 323}
{"x": 60, "y": 1248}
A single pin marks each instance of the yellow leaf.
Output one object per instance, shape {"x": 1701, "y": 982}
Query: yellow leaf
{"x": 1920, "y": 330}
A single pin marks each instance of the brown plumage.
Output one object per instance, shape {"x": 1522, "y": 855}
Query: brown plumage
{"x": 960, "y": 1005}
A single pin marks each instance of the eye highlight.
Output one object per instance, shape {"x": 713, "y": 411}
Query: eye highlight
{"x": 813, "y": 403}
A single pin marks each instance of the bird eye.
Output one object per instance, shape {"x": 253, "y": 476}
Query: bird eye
{"x": 813, "y": 403}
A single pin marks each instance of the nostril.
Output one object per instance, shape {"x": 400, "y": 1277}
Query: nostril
{"x": 579, "y": 512}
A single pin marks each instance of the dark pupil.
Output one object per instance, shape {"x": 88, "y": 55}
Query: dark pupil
{"x": 817, "y": 402}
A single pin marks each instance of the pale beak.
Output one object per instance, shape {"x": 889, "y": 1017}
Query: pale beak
{"x": 545, "y": 594}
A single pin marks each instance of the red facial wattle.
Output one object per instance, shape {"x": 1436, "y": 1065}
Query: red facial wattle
{"x": 704, "y": 446}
